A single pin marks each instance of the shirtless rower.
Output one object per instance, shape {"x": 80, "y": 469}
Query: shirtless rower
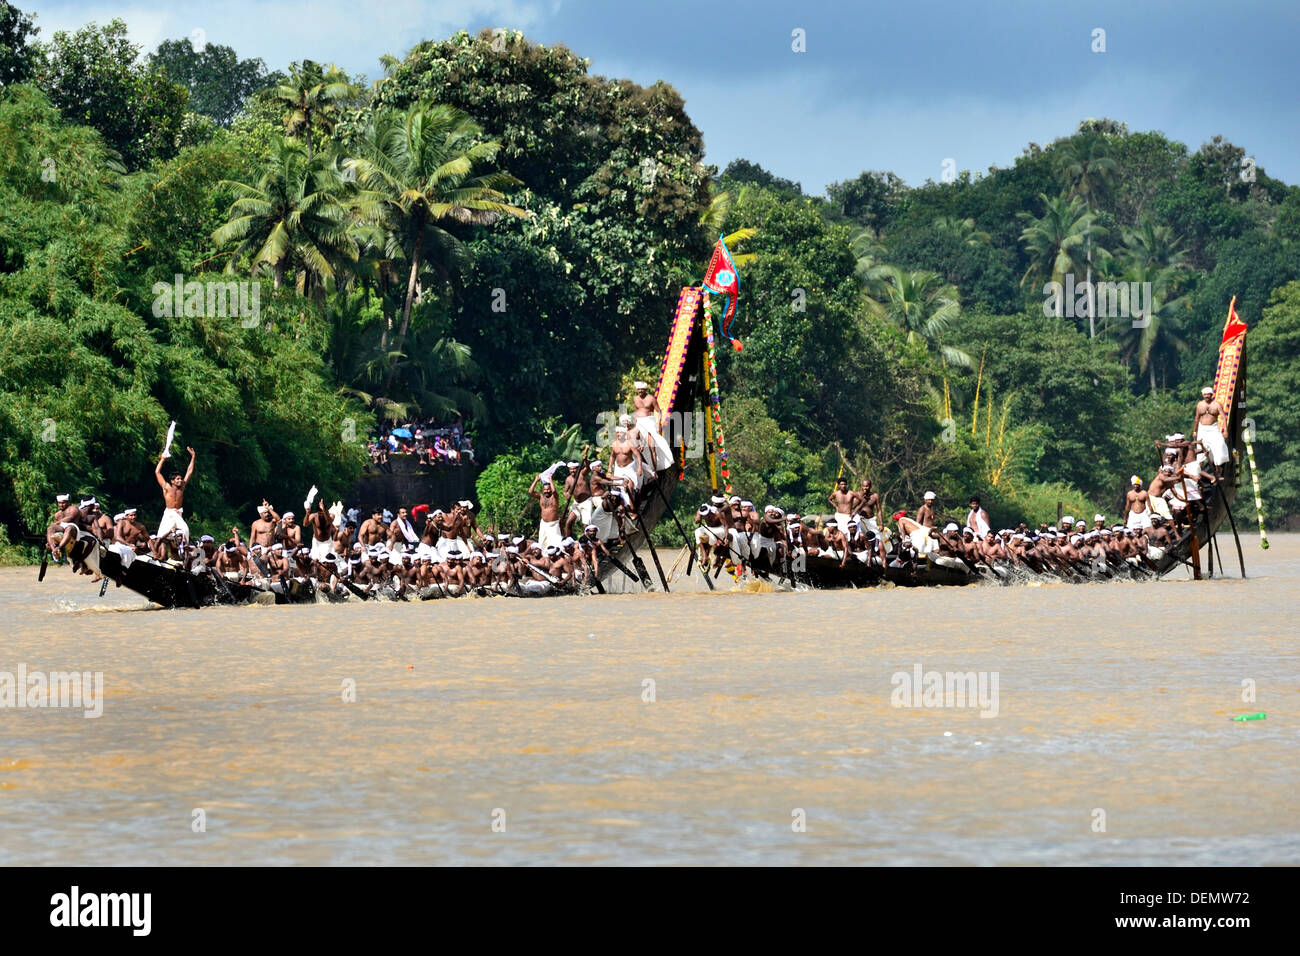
{"x": 321, "y": 525}
{"x": 918, "y": 530}
{"x": 868, "y": 507}
{"x": 130, "y": 538}
{"x": 262, "y": 531}
{"x": 401, "y": 533}
{"x": 174, "y": 499}
{"x": 577, "y": 488}
{"x": 372, "y": 530}
{"x": 548, "y": 531}
{"x": 648, "y": 424}
{"x": 290, "y": 531}
{"x": 59, "y": 533}
{"x": 1158, "y": 493}
{"x": 1208, "y": 433}
{"x": 625, "y": 462}
{"x": 845, "y": 502}
{"x": 1137, "y": 512}
{"x": 102, "y": 524}
{"x": 462, "y": 525}
{"x": 710, "y": 534}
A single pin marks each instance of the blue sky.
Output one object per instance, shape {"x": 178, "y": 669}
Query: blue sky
{"x": 898, "y": 86}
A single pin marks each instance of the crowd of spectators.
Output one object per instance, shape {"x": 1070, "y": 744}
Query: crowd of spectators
{"x": 433, "y": 443}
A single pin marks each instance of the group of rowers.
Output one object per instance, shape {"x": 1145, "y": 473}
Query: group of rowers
{"x": 429, "y": 553}
{"x": 445, "y": 553}
{"x": 731, "y": 532}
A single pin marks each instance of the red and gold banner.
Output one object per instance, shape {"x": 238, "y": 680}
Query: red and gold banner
{"x": 1225, "y": 376}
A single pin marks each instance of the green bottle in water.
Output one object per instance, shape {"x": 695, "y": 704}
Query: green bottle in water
{"x": 1260, "y": 716}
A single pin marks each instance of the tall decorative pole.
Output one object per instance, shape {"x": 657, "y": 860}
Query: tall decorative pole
{"x": 715, "y": 400}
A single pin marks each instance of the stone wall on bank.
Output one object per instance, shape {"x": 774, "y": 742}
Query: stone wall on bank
{"x": 404, "y": 482}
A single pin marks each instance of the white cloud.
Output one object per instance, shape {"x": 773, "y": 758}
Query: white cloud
{"x": 339, "y": 31}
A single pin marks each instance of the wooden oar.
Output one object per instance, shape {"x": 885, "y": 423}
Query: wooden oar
{"x": 1235, "y": 537}
{"x": 356, "y": 590}
{"x": 221, "y": 582}
{"x": 690, "y": 545}
{"x": 45, "y": 563}
{"x": 642, "y": 574}
{"x": 663, "y": 578}
{"x": 621, "y": 566}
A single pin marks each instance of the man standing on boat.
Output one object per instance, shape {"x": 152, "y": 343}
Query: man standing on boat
{"x": 977, "y": 519}
{"x": 844, "y": 502}
{"x": 868, "y": 507}
{"x": 321, "y": 524}
{"x": 625, "y": 462}
{"x": 173, "y": 498}
{"x": 262, "y": 531}
{"x": 577, "y": 488}
{"x": 1208, "y": 432}
{"x": 647, "y": 423}
{"x": 1137, "y": 514}
{"x": 548, "y": 531}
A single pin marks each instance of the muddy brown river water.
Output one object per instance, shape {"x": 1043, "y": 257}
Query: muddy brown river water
{"x": 505, "y": 731}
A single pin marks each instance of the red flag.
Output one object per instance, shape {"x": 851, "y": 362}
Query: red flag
{"x": 722, "y": 279}
{"x": 1234, "y": 326}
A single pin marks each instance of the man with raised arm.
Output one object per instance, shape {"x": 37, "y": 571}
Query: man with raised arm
{"x": 173, "y": 499}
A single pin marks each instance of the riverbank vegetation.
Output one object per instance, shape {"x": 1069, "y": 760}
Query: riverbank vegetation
{"x": 490, "y": 230}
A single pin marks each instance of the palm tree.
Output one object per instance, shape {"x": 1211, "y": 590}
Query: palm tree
{"x": 1152, "y": 246}
{"x": 868, "y": 250}
{"x": 1057, "y": 243}
{"x": 1161, "y": 339}
{"x": 312, "y": 97}
{"x": 963, "y": 229}
{"x": 416, "y": 174}
{"x": 1085, "y": 163}
{"x": 920, "y": 303}
{"x": 714, "y": 219}
{"x": 293, "y": 218}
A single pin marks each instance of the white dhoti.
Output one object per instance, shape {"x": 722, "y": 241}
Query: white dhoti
{"x": 760, "y": 544}
{"x": 842, "y": 519}
{"x": 548, "y": 533}
{"x": 127, "y": 554}
{"x": 1160, "y": 506}
{"x": 172, "y": 521}
{"x": 447, "y": 545}
{"x": 663, "y": 452}
{"x": 629, "y": 472}
{"x": 922, "y": 541}
{"x": 869, "y": 524}
{"x": 606, "y": 524}
{"x": 1139, "y": 520}
{"x": 708, "y": 535}
{"x": 1154, "y": 553}
{"x": 321, "y": 548}
{"x": 1212, "y": 438}
{"x": 739, "y": 544}
{"x": 583, "y": 510}
{"x": 425, "y": 548}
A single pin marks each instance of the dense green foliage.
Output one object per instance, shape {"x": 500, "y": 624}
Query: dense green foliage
{"x": 218, "y": 81}
{"x": 1274, "y": 398}
{"x": 491, "y": 230}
